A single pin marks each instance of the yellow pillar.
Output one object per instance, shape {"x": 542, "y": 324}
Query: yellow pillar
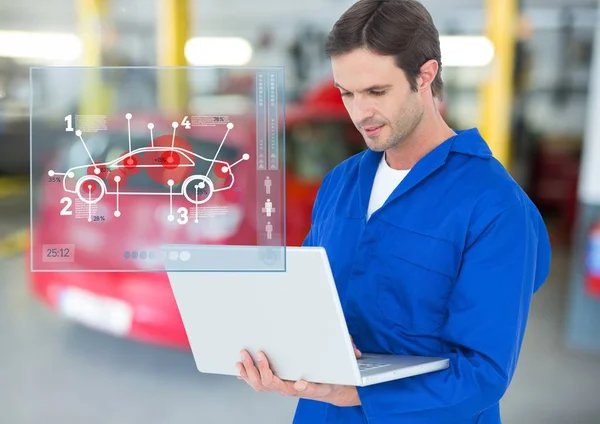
{"x": 95, "y": 97}
{"x": 497, "y": 91}
{"x": 173, "y": 16}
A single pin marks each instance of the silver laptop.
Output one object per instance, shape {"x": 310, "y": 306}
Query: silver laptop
{"x": 294, "y": 316}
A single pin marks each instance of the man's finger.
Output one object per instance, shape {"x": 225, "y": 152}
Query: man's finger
{"x": 357, "y": 352}
{"x": 264, "y": 369}
{"x": 241, "y": 371}
{"x": 251, "y": 371}
{"x": 270, "y": 380}
{"x": 312, "y": 390}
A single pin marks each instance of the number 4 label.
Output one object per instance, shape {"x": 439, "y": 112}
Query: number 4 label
{"x": 186, "y": 123}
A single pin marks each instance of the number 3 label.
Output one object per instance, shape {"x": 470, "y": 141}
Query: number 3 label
{"x": 184, "y": 215}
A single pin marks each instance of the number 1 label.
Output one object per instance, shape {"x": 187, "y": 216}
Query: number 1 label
{"x": 69, "y": 120}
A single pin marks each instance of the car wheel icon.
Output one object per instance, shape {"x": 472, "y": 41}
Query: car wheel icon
{"x": 201, "y": 187}
{"x": 88, "y": 185}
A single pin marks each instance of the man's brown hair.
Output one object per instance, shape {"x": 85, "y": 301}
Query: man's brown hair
{"x": 400, "y": 28}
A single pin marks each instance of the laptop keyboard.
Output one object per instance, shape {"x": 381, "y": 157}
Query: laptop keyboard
{"x": 370, "y": 366}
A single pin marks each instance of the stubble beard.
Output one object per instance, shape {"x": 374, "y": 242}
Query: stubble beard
{"x": 401, "y": 129}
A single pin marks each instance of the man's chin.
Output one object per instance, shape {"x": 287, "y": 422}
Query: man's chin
{"x": 376, "y": 144}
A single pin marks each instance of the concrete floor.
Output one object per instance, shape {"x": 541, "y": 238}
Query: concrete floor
{"x": 52, "y": 371}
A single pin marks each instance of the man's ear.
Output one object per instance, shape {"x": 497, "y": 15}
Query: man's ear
{"x": 428, "y": 73}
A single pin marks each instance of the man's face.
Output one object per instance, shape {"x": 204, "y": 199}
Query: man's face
{"x": 378, "y": 97}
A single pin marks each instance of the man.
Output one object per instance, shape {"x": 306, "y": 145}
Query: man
{"x": 435, "y": 250}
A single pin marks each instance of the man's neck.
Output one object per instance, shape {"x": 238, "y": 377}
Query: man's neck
{"x": 430, "y": 133}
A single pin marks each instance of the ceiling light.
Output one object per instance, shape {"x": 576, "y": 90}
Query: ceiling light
{"x": 218, "y": 51}
{"x": 40, "y": 46}
{"x": 466, "y": 51}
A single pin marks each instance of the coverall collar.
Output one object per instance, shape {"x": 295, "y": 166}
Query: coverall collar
{"x": 470, "y": 142}
{"x": 467, "y": 142}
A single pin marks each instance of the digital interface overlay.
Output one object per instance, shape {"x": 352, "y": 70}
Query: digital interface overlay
{"x": 131, "y": 186}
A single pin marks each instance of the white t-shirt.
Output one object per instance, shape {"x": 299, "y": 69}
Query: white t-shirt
{"x": 386, "y": 180}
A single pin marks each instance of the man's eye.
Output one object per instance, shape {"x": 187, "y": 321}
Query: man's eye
{"x": 378, "y": 93}
{"x": 346, "y": 94}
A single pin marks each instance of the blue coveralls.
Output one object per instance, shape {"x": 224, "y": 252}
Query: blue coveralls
{"x": 446, "y": 267}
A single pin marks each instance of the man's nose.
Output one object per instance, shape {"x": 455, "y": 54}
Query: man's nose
{"x": 362, "y": 110}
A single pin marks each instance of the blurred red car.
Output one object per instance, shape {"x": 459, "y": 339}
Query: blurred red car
{"x": 140, "y": 305}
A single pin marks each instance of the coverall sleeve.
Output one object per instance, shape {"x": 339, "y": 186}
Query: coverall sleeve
{"x": 311, "y": 237}
{"x": 505, "y": 260}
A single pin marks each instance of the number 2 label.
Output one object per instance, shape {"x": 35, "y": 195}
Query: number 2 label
{"x": 66, "y": 210}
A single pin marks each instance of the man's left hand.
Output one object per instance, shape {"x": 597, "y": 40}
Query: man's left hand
{"x": 260, "y": 377}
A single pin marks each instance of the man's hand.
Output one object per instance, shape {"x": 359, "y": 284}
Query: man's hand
{"x": 356, "y": 351}
{"x": 261, "y": 378}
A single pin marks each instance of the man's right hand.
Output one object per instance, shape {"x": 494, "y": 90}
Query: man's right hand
{"x": 356, "y": 351}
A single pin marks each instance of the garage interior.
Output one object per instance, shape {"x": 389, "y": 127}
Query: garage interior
{"x": 55, "y": 369}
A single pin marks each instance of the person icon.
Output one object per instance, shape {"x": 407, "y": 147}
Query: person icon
{"x": 268, "y": 184}
{"x": 269, "y": 230}
{"x": 268, "y": 209}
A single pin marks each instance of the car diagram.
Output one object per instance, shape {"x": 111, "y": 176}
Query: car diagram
{"x": 100, "y": 179}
